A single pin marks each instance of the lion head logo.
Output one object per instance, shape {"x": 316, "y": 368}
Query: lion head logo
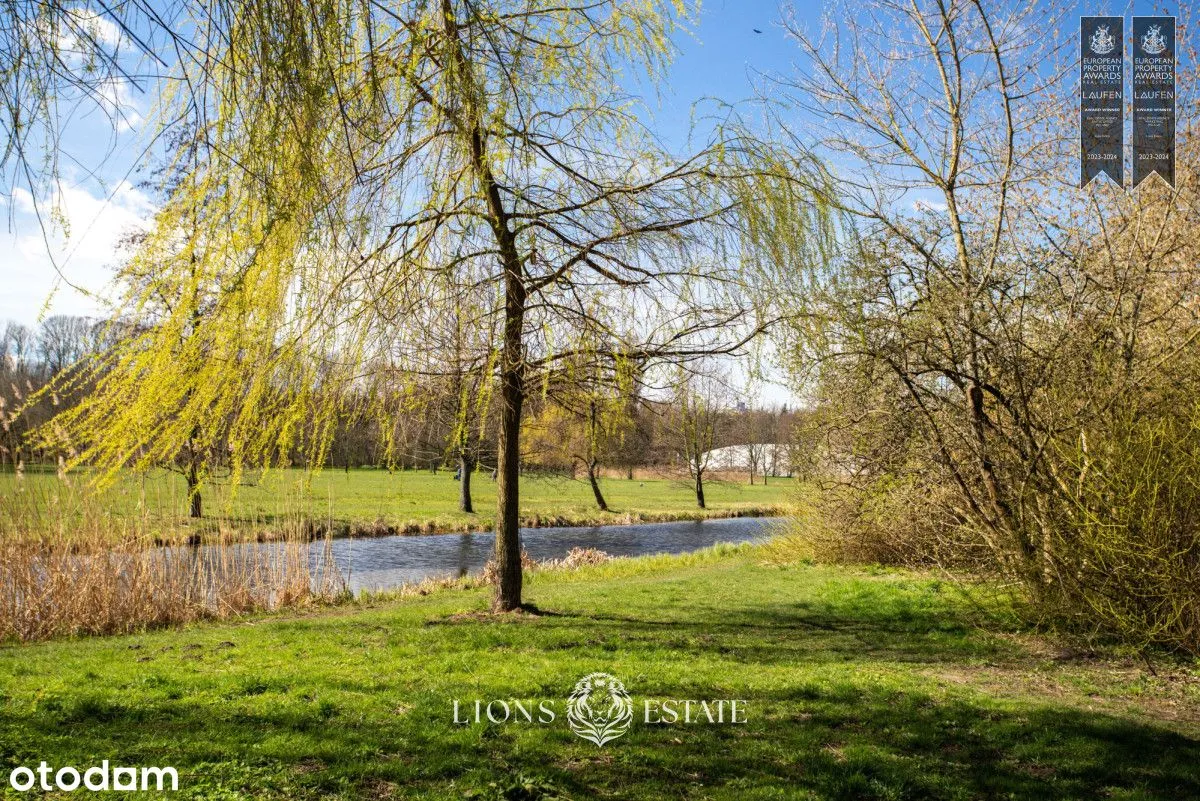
{"x": 599, "y": 709}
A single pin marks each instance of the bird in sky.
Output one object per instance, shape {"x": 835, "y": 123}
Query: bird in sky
{"x": 756, "y": 30}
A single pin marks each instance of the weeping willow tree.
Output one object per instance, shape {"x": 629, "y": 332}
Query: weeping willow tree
{"x": 352, "y": 157}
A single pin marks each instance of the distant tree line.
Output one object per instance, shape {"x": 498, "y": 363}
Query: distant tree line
{"x": 29, "y": 358}
{"x": 571, "y": 432}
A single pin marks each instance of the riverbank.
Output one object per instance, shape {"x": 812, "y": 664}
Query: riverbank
{"x": 858, "y": 684}
{"x": 486, "y": 523}
{"x": 287, "y": 504}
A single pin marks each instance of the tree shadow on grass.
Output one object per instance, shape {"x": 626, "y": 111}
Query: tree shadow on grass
{"x": 778, "y": 636}
{"x": 777, "y": 632}
{"x": 830, "y": 714}
{"x": 848, "y": 741}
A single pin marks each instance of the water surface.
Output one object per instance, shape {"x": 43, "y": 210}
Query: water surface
{"x": 388, "y": 562}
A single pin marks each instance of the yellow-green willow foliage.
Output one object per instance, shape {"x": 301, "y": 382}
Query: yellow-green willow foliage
{"x": 218, "y": 344}
{"x": 355, "y": 164}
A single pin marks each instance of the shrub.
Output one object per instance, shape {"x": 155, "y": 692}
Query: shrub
{"x": 1125, "y": 553}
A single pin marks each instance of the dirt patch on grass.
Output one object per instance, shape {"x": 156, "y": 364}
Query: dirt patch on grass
{"x": 1116, "y": 686}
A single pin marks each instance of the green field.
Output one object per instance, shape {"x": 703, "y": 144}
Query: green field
{"x": 859, "y": 685}
{"x": 365, "y": 501}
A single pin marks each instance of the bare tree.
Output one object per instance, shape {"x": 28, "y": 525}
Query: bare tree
{"x": 17, "y": 345}
{"x": 998, "y": 358}
{"x": 940, "y": 135}
{"x": 634, "y": 439}
{"x": 458, "y": 327}
{"x": 694, "y": 421}
{"x": 63, "y": 340}
{"x": 756, "y": 433}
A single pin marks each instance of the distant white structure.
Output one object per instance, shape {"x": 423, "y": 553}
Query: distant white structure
{"x": 772, "y": 459}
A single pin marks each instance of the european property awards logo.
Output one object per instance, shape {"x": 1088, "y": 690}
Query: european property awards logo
{"x": 1102, "y": 42}
{"x": 599, "y": 709}
{"x": 1154, "y": 43}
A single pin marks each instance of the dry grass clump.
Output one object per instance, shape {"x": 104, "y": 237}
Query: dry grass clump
{"x": 577, "y": 557}
{"x": 48, "y": 589}
{"x": 491, "y": 571}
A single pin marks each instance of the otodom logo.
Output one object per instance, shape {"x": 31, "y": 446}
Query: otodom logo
{"x": 599, "y": 709}
{"x": 99, "y": 778}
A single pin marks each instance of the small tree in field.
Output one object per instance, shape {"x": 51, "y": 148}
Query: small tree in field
{"x": 587, "y": 416}
{"x": 694, "y": 420}
{"x": 453, "y": 351}
{"x": 756, "y": 429}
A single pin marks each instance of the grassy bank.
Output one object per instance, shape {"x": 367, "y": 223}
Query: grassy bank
{"x": 363, "y": 502}
{"x": 858, "y": 685}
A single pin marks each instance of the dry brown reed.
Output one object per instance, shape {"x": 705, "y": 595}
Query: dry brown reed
{"x": 92, "y": 572}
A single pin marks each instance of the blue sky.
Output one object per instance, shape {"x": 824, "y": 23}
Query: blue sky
{"x": 725, "y": 58}
{"x": 722, "y": 57}
{"x": 719, "y": 58}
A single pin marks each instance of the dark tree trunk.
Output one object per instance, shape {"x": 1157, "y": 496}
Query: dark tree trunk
{"x": 699, "y": 490}
{"x": 193, "y": 487}
{"x": 465, "y": 466}
{"x": 629, "y": 473}
{"x": 512, "y": 358}
{"x": 591, "y": 474}
{"x": 512, "y": 398}
{"x": 508, "y": 469}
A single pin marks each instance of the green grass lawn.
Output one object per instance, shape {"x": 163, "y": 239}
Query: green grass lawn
{"x": 370, "y": 500}
{"x": 860, "y": 685}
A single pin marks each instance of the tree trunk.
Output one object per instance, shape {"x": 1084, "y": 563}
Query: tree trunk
{"x": 699, "y": 490}
{"x": 508, "y": 470}
{"x": 512, "y": 358}
{"x": 591, "y": 474}
{"x": 512, "y": 397}
{"x": 465, "y": 466}
{"x": 193, "y": 487}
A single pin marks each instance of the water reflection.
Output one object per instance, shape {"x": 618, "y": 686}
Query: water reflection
{"x": 388, "y": 562}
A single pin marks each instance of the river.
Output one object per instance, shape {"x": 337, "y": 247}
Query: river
{"x": 387, "y": 562}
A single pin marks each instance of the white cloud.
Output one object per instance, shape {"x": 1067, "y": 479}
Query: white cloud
{"x": 91, "y": 24}
{"x": 78, "y": 44}
{"x": 83, "y": 231}
{"x": 929, "y": 205}
{"x": 116, "y": 99}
